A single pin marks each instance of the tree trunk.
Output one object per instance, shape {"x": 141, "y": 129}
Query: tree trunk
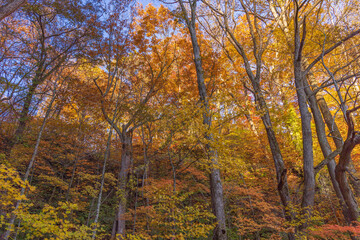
{"x": 353, "y": 139}
{"x": 10, "y": 7}
{"x": 281, "y": 172}
{"x": 216, "y": 188}
{"x": 215, "y": 177}
{"x": 126, "y": 158}
{"x": 24, "y": 116}
{"x": 106, "y": 157}
{"x": 324, "y": 144}
{"x": 7, "y": 233}
{"x": 336, "y": 136}
{"x": 340, "y": 170}
{"x": 308, "y": 157}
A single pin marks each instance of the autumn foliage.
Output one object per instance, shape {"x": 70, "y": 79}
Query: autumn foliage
{"x": 105, "y": 132}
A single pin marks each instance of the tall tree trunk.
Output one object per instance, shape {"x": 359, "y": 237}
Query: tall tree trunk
{"x": 324, "y": 145}
{"x": 353, "y": 139}
{"x": 126, "y": 158}
{"x": 215, "y": 177}
{"x": 106, "y": 157}
{"x": 216, "y": 188}
{"x": 24, "y": 116}
{"x": 10, "y": 7}
{"x": 336, "y": 136}
{"x": 308, "y": 155}
{"x": 7, "y": 233}
{"x": 281, "y": 172}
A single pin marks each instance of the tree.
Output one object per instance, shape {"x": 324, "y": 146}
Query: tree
{"x": 10, "y": 7}
{"x": 6, "y": 235}
{"x": 304, "y": 78}
{"x": 151, "y": 101}
{"x": 227, "y": 19}
{"x": 56, "y": 36}
{"x": 300, "y": 80}
{"x": 131, "y": 83}
{"x": 217, "y": 196}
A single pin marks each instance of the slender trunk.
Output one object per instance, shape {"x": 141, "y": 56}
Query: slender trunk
{"x": 126, "y": 158}
{"x": 353, "y": 139}
{"x": 77, "y": 157}
{"x": 336, "y": 136}
{"x": 6, "y": 235}
{"x": 24, "y": 116}
{"x": 324, "y": 144}
{"x": 340, "y": 170}
{"x": 106, "y": 157}
{"x": 308, "y": 155}
{"x": 10, "y": 7}
{"x": 90, "y": 211}
{"x": 216, "y": 187}
{"x": 281, "y": 172}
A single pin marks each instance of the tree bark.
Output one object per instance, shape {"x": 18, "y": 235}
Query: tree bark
{"x": 336, "y": 136}
{"x": 340, "y": 170}
{"x": 106, "y": 157}
{"x": 24, "y": 116}
{"x": 126, "y": 158}
{"x": 353, "y": 139}
{"x": 10, "y": 7}
{"x": 281, "y": 172}
{"x": 308, "y": 157}
{"x": 324, "y": 145}
{"x": 216, "y": 187}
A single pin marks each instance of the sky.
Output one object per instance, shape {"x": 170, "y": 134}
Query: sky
{"x": 156, "y": 3}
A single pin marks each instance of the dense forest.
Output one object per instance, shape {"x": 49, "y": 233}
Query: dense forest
{"x": 181, "y": 119}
